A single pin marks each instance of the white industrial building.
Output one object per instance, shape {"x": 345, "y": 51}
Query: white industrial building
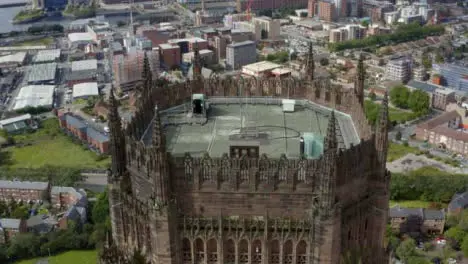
{"x": 12, "y": 60}
{"x": 84, "y": 65}
{"x": 42, "y": 73}
{"x": 84, "y": 90}
{"x": 44, "y": 56}
{"x": 80, "y": 38}
{"x": 35, "y": 96}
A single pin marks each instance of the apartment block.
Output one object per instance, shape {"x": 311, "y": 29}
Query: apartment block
{"x": 442, "y": 97}
{"x": 268, "y": 28}
{"x": 327, "y": 11}
{"x": 240, "y": 54}
{"x": 398, "y": 70}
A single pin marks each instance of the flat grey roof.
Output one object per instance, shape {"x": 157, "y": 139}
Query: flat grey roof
{"x": 42, "y": 72}
{"x": 10, "y": 223}
{"x": 279, "y": 131}
{"x": 47, "y": 55}
{"x": 25, "y": 185}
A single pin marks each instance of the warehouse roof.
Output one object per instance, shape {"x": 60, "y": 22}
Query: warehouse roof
{"x": 15, "y": 119}
{"x": 25, "y": 185}
{"x": 47, "y": 55}
{"x": 85, "y": 89}
{"x": 83, "y": 65}
{"x": 261, "y": 66}
{"x": 42, "y": 72}
{"x": 35, "y": 95}
{"x": 80, "y": 37}
{"x": 17, "y": 57}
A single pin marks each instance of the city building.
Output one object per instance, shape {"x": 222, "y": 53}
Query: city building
{"x": 312, "y": 8}
{"x": 327, "y": 10}
{"x": 127, "y": 68}
{"x": 453, "y": 76}
{"x": 266, "y": 27}
{"x": 77, "y": 127}
{"x": 41, "y": 224}
{"x": 65, "y": 197}
{"x": 348, "y": 32}
{"x": 199, "y": 175}
{"x": 47, "y": 56}
{"x": 417, "y": 221}
{"x": 206, "y": 55}
{"x": 83, "y": 71}
{"x": 260, "y": 69}
{"x": 442, "y": 97}
{"x": 42, "y": 73}
{"x": 53, "y": 4}
{"x": 420, "y": 74}
{"x": 35, "y": 96}
{"x": 338, "y": 35}
{"x": 85, "y": 90}
{"x": 398, "y": 70}
{"x": 240, "y": 54}
{"x": 13, "y": 60}
{"x": 170, "y": 55}
{"x": 17, "y": 124}
{"x": 24, "y": 191}
{"x": 10, "y": 227}
{"x": 445, "y": 132}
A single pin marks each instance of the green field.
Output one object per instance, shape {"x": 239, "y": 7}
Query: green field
{"x": 36, "y": 42}
{"x": 70, "y": 257}
{"x": 397, "y": 151}
{"x": 50, "y": 146}
{"x": 400, "y": 116}
{"x": 412, "y": 204}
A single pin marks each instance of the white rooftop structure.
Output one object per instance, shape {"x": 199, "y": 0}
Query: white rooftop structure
{"x": 15, "y": 119}
{"x": 47, "y": 55}
{"x": 17, "y": 58}
{"x": 190, "y": 40}
{"x": 80, "y": 37}
{"x": 258, "y": 68}
{"x": 84, "y": 65}
{"x": 34, "y": 96}
{"x": 85, "y": 89}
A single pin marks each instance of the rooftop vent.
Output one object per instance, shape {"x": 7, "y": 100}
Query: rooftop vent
{"x": 288, "y": 105}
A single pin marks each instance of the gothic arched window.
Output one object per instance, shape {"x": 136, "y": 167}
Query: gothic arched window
{"x": 283, "y": 168}
{"x": 302, "y": 171}
{"x": 188, "y": 168}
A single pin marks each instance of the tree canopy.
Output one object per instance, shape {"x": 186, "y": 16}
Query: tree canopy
{"x": 406, "y": 250}
{"x": 419, "y": 102}
{"x": 399, "y": 96}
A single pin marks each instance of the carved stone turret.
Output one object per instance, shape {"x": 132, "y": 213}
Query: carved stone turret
{"x": 329, "y": 163}
{"x": 381, "y": 133}
{"x": 310, "y": 64}
{"x": 197, "y": 62}
{"x": 117, "y": 138}
{"x": 360, "y": 78}
{"x": 160, "y": 173}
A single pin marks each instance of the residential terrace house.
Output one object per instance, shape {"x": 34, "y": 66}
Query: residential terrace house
{"x": 64, "y": 197}
{"x": 417, "y": 220}
{"x": 445, "y": 131}
{"x": 24, "y": 190}
{"x": 76, "y": 126}
{"x": 10, "y": 227}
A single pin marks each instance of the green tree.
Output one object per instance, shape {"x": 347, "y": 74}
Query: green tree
{"x": 426, "y": 61}
{"x": 464, "y": 246}
{"x": 24, "y": 246}
{"x": 365, "y": 23}
{"x": 406, "y": 250}
{"x": 456, "y": 233}
{"x": 399, "y": 96}
{"x": 439, "y": 58}
{"x": 100, "y": 211}
{"x": 418, "y": 102}
{"x": 398, "y": 135}
{"x": 324, "y": 61}
{"x": 427, "y": 246}
{"x": 20, "y": 212}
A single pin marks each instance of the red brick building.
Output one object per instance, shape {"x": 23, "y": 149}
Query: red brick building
{"x": 24, "y": 190}
{"x": 327, "y": 11}
{"x": 76, "y": 126}
{"x": 10, "y": 227}
{"x": 445, "y": 132}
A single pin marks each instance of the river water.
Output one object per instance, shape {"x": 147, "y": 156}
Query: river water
{"x": 8, "y": 13}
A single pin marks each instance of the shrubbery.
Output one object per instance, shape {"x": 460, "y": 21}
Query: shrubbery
{"x": 403, "y": 34}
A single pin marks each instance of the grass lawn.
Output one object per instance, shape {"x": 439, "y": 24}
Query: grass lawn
{"x": 36, "y": 42}
{"x": 412, "y": 204}
{"x": 400, "y": 116}
{"x": 70, "y": 257}
{"x": 50, "y": 146}
{"x": 397, "y": 151}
